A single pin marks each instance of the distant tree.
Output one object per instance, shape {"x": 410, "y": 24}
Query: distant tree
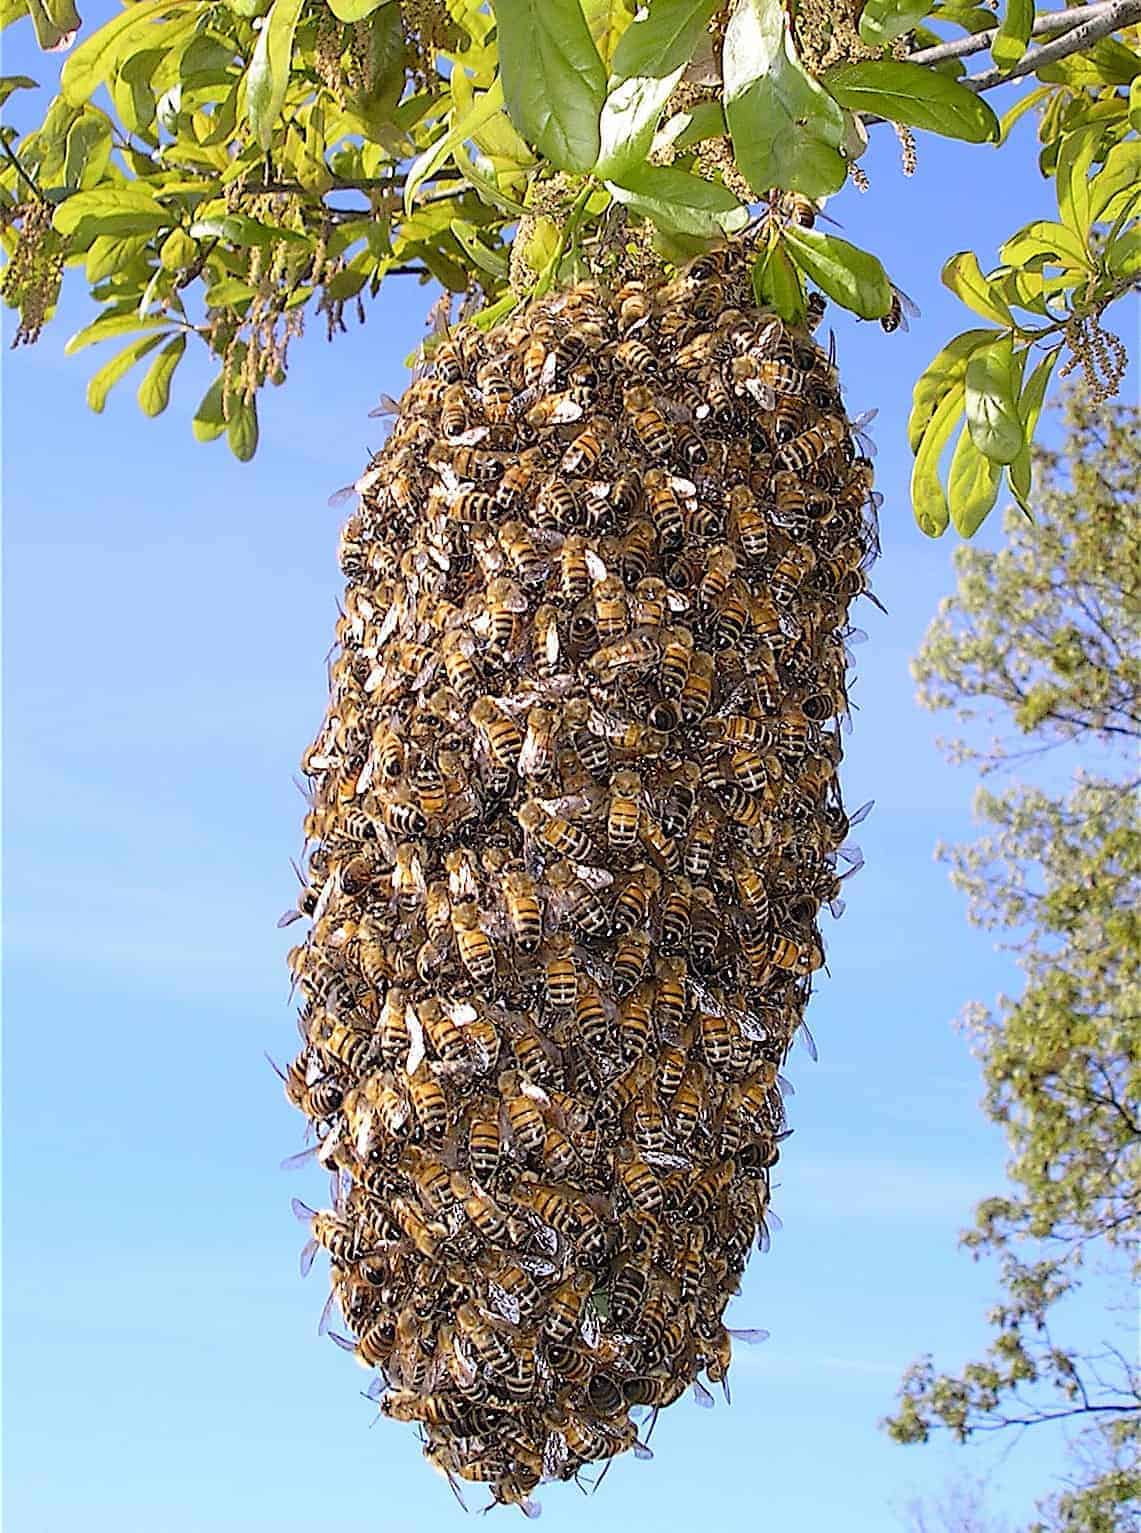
{"x": 1043, "y": 639}
{"x": 961, "y": 1508}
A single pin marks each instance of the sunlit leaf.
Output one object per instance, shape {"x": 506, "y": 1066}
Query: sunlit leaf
{"x": 242, "y": 426}
{"x": 972, "y": 486}
{"x": 777, "y": 284}
{"x": 662, "y": 38}
{"x": 88, "y": 151}
{"x": 786, "y": 128}
{"x": 914, "y": 95}
{"x": 992, "y": 387}
{"x": 853, "y": 277}
{"x": 349, "y": 11}
{"x": 927, "y": 498}
{"x": 1013, "y": 34}
{"x": 100, "y": 384}
{"x": 681, "y": 203}
{"x": 92, "y": 62}
{"x": 553, "y": 79}
{"x": 1020, "y": 472}
{"x": 154, "y": 391}
{"x": 628, "y": 122}
{"x": 111, "y": 209}
{"x": 1071, "y": 179}
{"x": 962, "y": 275}
{"x": 267, "y": 78}
{"x": 946, "y": 371}
{"x": 10, "y": 83}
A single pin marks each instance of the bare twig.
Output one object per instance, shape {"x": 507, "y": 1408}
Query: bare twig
{"x": 979, "y": 42}
{"x": 1110, "y": 18}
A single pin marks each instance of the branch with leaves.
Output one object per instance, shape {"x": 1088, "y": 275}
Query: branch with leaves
{"x": 497, "y": 149}
{"x": 1042, "y": 639}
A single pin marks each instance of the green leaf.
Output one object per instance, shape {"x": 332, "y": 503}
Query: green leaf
{"x": 110, "y": 210}
{"x": 946, "y": 371}
{"x": 242, "y": 426}
{"x": 237, "y": 229}
{"x": 267, "y": 78}
{"x": 10, "y": 83}
{"x": 1008, "y": 119}
{"x": 349, "y": 11}
{"x": 608, "y": 20}
{"x": 912, "y": 94}
{"x": 992, "y": 385}
{"x": 681, "y": 203}
{"x": 962, "y": 275}
{"x": 100, "y": 384}
{"x": 786, "y": 128}
{"x": 94, "y": 60}
{"x": 1120, "y": 172}
{"x": 1014, "y": 34}
{"x": 154, "y": 391}
{"x": 107, "y": 326}
{"x": 88, "y": 151}
{"x": 629, "y": 120}
{"x": 426, "y": 164}
{"x": 853, "y": 277}
{"x": 486, "y": 318}
{"x": 1071, "y": 178}
{"x": 488, "y": 260}
{"x": 1135, "y": 105}
{"x": 12, "y": 10}
{"x": 684, "y": 129}
{"x": 1045, "y": 242}
{"x": 112, "y": 253}
{"x": 662, "y": 38}
{"x": 553, "y": 79}
{"x": 1123, "y": 255}
{"x": 927, "y": 498}
{"x": 777, "y": 285}
{"x": 882, "y": 21}
{"x": 55, "y": 23}
{"x": 1020, "y": 472}
{"x": 177, "y": 251}
{"x": 209, "y": 422}
{"x": 972, "y": 486}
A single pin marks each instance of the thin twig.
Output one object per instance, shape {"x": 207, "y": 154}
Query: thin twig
{"x": 979, "y": 42}
{"x": 1111, "y": 18}
{"x": 14, "y": 160}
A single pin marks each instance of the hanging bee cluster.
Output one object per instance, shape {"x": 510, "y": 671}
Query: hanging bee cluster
{"x": 575, "y": 812}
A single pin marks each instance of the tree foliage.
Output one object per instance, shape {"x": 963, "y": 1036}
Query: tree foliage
{"x": 221, "y": 168}
{"x": 1043, "y": 639}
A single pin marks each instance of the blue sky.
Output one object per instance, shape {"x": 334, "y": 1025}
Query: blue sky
{"x": 168, "y": 611}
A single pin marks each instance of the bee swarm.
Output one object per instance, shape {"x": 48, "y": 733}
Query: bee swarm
{"x": 575, "y": 811}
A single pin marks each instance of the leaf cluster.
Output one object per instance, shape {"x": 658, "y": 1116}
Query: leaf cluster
{"x": 220, "y": 169}
{"x": 1043, "y": 636}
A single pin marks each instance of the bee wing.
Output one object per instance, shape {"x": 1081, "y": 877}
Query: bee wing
{"x": 287, "y": 919}
{"x": 766, "y": 341}
{"x": 416, "y": 1033}
{"x": 327, "y": 1313}
{"x": 339, "y": 497}
{"x": 564, "y": 411}
{"x": 294, "y": 1163}
{"x": 502, "y": 1303}
{"x": 642, "y": 1451}
{"x": 590, "y": 1325}
{"x": 595, "y": 565}
{"x": 555, "y": 1455}
{"x": 761, "y": 392}
{"x": 550, "y": 368}
{"x": 752, "y": 1338}
{"x": 702, "y": 1395}
{"x": 594, "y": 878}
{"x": 308, "y": 1256}
{"x": 387, "y": 406}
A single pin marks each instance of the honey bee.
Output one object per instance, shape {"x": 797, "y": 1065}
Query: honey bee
{"x": 483, "y": 1141}
{"x": 810, "y": 446}
{"x": 648, "y": 423}
{"x": 524, "y": 912}
{"x": 473, "y": 944}
{"x": 632, "y": 907}
{"x": 636, "y": 357}
{"x": 524, "y": 558}
{"x": 676, "y": 913}
{"x": 635, "y": 1018}
{"x": 699, "y": 845}
{"x": 634, "y": 306}
{"x": 792, "y": 569}
{"x": 498, "y": 731}
{"x": 505, "y": 600}
{"x": 697, "y": 692}
{"x": 559, "y": 974}
{"x": 625, "y": 494}
{"x": 578, "y": 900}
{"x": 897, "y": 315}
{"x": 591, "y": 1017}
{"x": 545, "y": 643}
{"x": 428, "y": 1102}
{"x": 487, "y": 1217}
{"x": 515, "y": 486}
{"x": 524, "y": 1119}
{"x": 665, "y": 509}
{"x": 640, "y": 1184}
{"x": 662, "y": 848}
{"x": 518, "y": 1297}
{"x": 579, "y": 565}
{"x": 585, "y": 453}
{"x": 610, "y": 608}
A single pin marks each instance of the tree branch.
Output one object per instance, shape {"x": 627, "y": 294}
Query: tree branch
{"x": 1110, "y": 18}
{"x": 979, "y": 42}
